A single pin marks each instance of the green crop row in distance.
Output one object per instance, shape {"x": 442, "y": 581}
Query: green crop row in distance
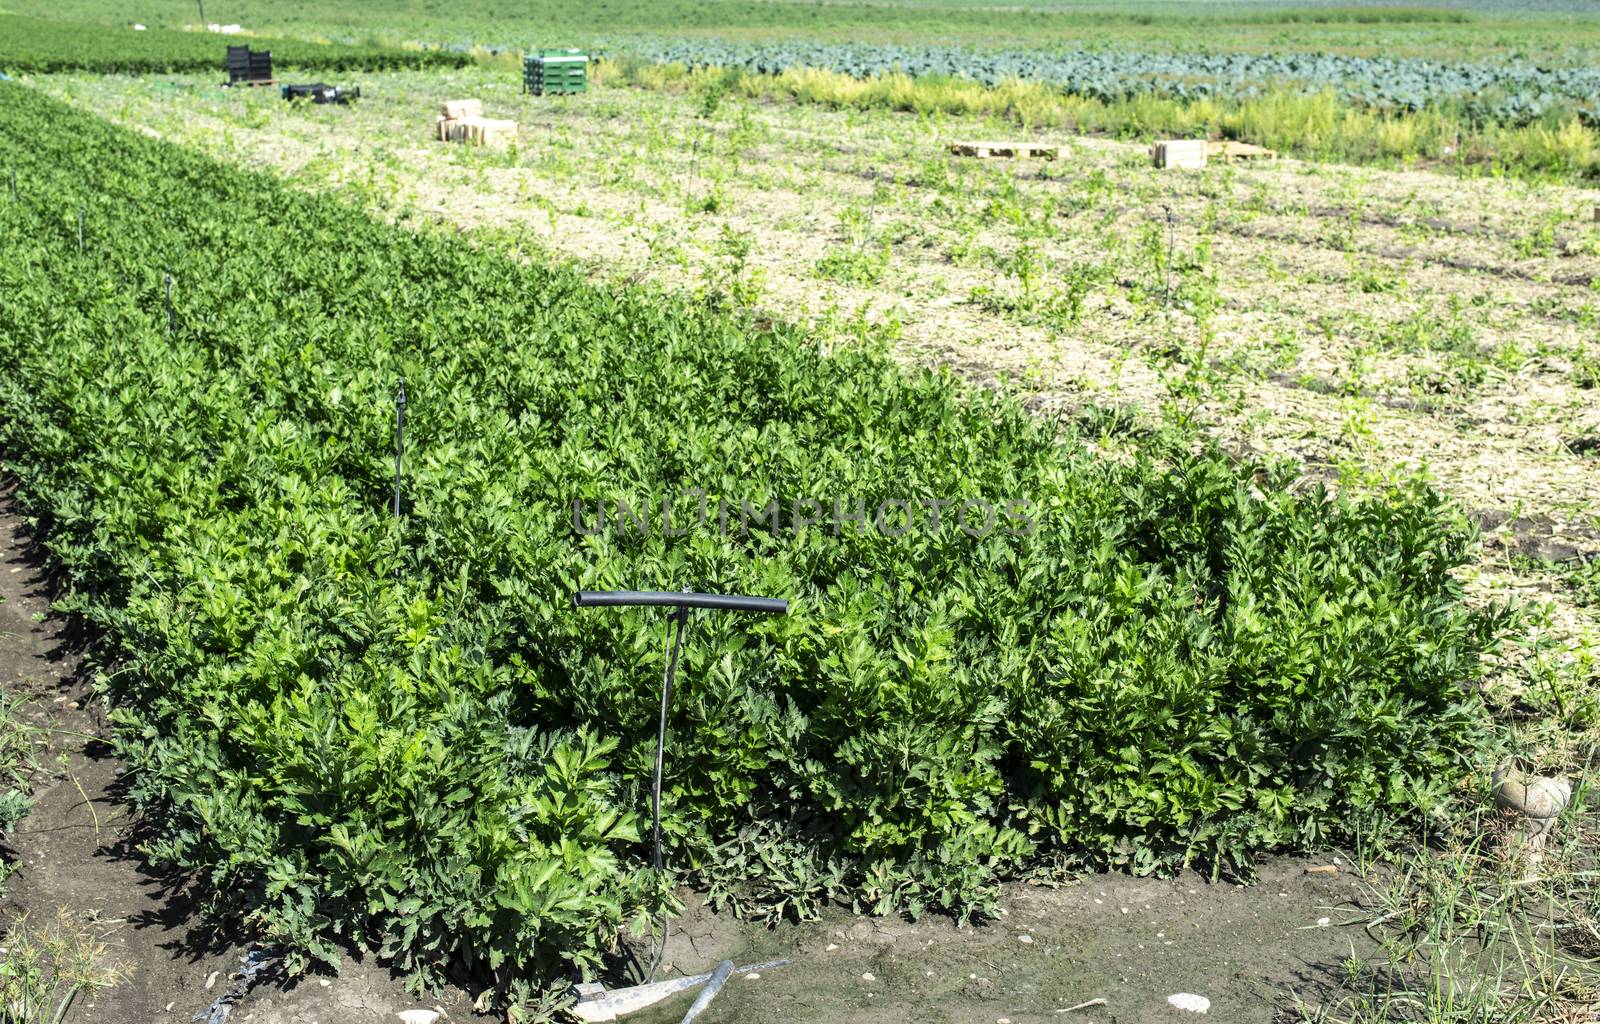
{"x": 399, "y": 734}
{"x": 40, "y": 46}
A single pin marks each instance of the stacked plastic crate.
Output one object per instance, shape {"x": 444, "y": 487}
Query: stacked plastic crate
{"x": 555, "y": 72}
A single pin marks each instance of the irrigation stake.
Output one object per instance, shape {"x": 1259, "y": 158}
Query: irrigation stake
{"x": 1167, "y": 290}
{"x": 172, "y": 324}
{"x": 399, "y": 439}
{"x": 678, "y": 620}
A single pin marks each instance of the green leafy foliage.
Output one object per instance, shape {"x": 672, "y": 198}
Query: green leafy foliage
{"x": 41, "y": 46}
{"x": 400, "y": 734}
{"x": 1513, "y": 93}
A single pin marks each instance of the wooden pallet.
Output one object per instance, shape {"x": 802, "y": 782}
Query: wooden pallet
{"x": 985, "y": 150}
{"x": 1230, "y": 150}
{"x": 457, "y": 109}
{"x": 1179, "y": 154}
{"x": 478, "y": 131}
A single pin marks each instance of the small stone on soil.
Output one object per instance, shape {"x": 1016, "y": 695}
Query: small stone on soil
{"x": 868, "y": 977}
{"x": 831, "y": 947}
{"x": 753, "y": 976}
{"x": 1189, "y": 1001}
{"x": 1025, "y": 938}
{"x": 212, "y": 980}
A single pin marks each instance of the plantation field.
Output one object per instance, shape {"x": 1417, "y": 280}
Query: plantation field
{"x": 1296, "y": 464}
{"x": 1370, "y": 326}
{"x": 395, "y": 731}
{"x": 42, "y": 45}
{"x": 1503, "y": 93}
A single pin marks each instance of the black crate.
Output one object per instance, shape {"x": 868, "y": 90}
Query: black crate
{"x": 247, "y": 66}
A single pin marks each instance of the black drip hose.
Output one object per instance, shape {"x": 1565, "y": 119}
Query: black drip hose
{"x": 680, "y": 620}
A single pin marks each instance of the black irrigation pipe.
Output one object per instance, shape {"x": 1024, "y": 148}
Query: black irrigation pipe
{"x": 399, "y": 439}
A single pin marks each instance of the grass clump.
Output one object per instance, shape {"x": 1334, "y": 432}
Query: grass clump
{"x": 46, "y": 969}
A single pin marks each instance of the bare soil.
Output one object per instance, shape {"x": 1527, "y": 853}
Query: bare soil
{"x": 1253, "y": 951}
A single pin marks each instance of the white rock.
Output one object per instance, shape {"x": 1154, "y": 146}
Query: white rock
{"x": 753, "y": 976}
{"x": 418, "y": 1016}
{"x": 830, "y": 947}
{"x": 868, "y": 977}
{"x": 138, "y": 28}
{"x": 1189, "y": 1001}
{"x": 1025, "y": 938}
{"x": 1323, "y": 922}
{"x": 211, "y": 979}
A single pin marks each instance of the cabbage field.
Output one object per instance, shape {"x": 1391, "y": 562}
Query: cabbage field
{"x": 353, "y": 728}
{"x": 1503, "y": 92}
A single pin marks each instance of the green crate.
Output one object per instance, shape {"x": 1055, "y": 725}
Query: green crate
{"x": 555, "y": 72}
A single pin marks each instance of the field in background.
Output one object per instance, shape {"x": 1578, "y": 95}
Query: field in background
{"x": 1543, "y": 30}
{"x": 1462, "y": 91}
